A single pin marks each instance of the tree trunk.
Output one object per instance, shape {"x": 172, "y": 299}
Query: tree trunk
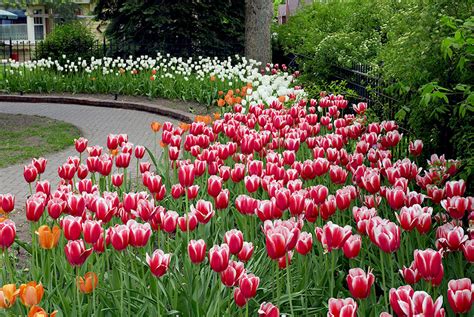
{"x": 258, "y": 19}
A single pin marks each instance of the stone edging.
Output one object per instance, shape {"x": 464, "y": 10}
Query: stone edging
{"x": 155, "y": 109}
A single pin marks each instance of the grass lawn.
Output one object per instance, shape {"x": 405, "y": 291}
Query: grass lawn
{"x": 23, "y": 137}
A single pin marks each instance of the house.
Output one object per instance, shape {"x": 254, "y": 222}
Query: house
{"x": 33, "y": 22}
{"x": 22, "y": 27}
{"x": 289, "y": 8}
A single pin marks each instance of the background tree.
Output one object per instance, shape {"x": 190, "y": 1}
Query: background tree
{"x": 185, "y": 28}
{"x": 258, "y": 18}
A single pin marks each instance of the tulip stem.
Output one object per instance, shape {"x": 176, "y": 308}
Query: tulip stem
{"x": 332, "y": 277}
{"x": 278, "y": 283}
{"x": 158, "y": 297}
{"x": 383, "y": 280}
{"x": 392, "y": 273}
{"x": 79, "y": 305}
{"x": 288, "y": 283}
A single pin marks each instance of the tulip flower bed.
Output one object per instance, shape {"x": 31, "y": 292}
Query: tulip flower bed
{"x": 294, "y": 206}
{"x": 162, "y": 76}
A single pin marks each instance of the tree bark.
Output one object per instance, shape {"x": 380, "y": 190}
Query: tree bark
{"x": 258, "y": 19}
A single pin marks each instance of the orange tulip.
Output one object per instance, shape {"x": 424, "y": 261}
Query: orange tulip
{"x": 220, "y": 92}
{"x": 230, "y": 92}
{"x": 48, "y": 238}
{"x": 114, "y": 152}
{"x": 217, "y": 115}
{"x": 213, "y": 78}
{"x": 31, "y": 293}
{"x": 221, "y": 102}
{"x": 162, "y": 144}
{"x": 249, "y": 85}
{"x": 282, "y": 98}
{"x": 8, "y": 294}
{"x": 184, "y": 126}
{"x": 155, "y": 126}
{"x": 88, "y": 283}
{"x": 2, "y": 219}
{"x": 237, "y": 100}
{"x": 37, "y": 311}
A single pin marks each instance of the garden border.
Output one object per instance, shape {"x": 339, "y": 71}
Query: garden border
{"x": 137, "y": 106}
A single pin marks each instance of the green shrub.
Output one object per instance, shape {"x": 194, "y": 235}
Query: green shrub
{"x": 324, "y": 34}
{"x": 72, "y": 40}
{"x": 422, "y": 49}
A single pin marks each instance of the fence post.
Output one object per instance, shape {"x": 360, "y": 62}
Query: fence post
{"x": 11, "y": 48}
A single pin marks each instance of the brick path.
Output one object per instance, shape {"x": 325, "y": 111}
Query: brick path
{"x": 95, "y": 124}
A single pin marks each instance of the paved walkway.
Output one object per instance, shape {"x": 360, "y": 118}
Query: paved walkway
{"x": 95, "y": 124}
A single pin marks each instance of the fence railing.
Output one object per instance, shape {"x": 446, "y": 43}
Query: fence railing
{"x": 22, "y": 50}
{"x": 363, "y": 80}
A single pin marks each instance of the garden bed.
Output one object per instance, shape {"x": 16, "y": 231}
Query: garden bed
{"x": 277, "y": 204}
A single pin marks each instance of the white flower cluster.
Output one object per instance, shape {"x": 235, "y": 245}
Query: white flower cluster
{"x": 232, "y": 72}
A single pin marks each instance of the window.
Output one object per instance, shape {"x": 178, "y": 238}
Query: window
{"x": 38, "y": 24}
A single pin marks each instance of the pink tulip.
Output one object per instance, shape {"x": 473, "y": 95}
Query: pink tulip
{"x": 203, "y": 211}
{"x": 239, "y": 299}
{"x": 342, "y": 307}
{"x": 352, "y": 246}
{"x": 248, "y": 285}
{"x": 30, "y": 173}
{"x": 72, "y": 227}
{"x": 333, "y": 236}
{"x": 460, "y": 295}
{"x": 119, "y": 237}
{"x": 139, "y": 233}
{"x": 158, "y": 262}
{"x": 234, "y": 239}
{"x": 7, "y": 202}
{"x": 76, "y": 253}
{"x": 197, "y": 250}
{"x": 232, "y": 274}
{"x": 268, "y": 310}
{"x": 34, "y": 208}
{"x": 360, "y": 282}
{"x": 410, "y": 274}
{"x": 7, "y": 234}
{"x": 384, "y": 234}
{"x": 80, "y": 144}
{"x": 219, "y": 257}
{"x": 429, "y": 264}
{"x": 423, "y": 305}
{"x": 92, "y": 230}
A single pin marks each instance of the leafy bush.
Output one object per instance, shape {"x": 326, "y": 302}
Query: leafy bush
{"x": 422, "y": 49}
{"x": 72, "y": 39}
{"x": 325, "y": 34}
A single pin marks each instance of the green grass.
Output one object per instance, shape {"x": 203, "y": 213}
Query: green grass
{"x": 23, "y": 137}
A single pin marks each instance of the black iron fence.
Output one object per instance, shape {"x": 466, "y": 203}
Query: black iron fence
{"x": 29, "y": 50}
{"x": 364, "y": 80}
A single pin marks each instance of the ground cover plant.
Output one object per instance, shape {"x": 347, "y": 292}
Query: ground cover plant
{"x": 286, "y": 204}
{"x": 24, "y": 137}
